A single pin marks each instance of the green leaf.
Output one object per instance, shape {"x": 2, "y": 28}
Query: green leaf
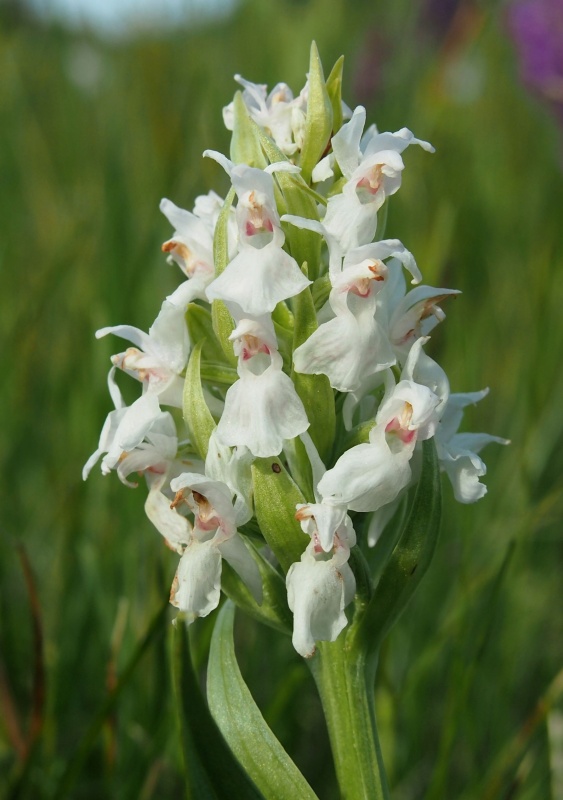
{"x": 318, "y": 124}
{"x": 314, "y": 390}
{"x": 275, "y": 498}
{"x": 196, "y": 413}
{"x": 241, "y": 721}
{"x": 334, "y": 89}
{"x": 212, "y": 771}
{"x": 274, "y": 610}
{"x": 410, "y": 558}
{"x": 245, "y": 144}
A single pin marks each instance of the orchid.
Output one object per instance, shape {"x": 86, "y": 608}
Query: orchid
{"x": 311, "y": 410}
{"x": 261, "y": 274}
{"x": 196, "y": 586}
{"x": 159, "y": 356}
{"x": 458, "y": 452}
{"x": 372, "y": 167}
{"x": 278, "y": 112}
{"x": 262, "y": 408}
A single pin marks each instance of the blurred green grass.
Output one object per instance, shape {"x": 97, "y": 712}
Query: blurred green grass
{"x": 82, "y": 171}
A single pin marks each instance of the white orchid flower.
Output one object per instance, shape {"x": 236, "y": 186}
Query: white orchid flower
{"x": 191, "y": 247}
{"x": 353, "y": 345}
{"x": 124, "y": 430}
{"x": 278, "y": 112}
{"x": 262, "y": 409}
{"x": 197, "y": 583}
{"x": 159, "y": 357}
{"x": 458, "y": 452}
{"x": 262, "y": 273}
{"x": 372, "y": 169}
{"x": 319, "y": 587}
{"x": 370, "y": 475}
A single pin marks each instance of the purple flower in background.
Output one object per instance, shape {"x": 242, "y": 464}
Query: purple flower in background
{"x": 537, "y": 29}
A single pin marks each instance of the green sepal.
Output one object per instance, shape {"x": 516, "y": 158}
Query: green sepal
{"x": 300, "y": 467}
{"x": 358, "y": 435}
{"x": 410, "y": 558}
{"x": 321, "y": 289}
{"x": 196, "y": 413}
{"x": 334, "y": 89}
{"x": 304, "y": 245}
{"x": 245, "y": 144}
{"x": 337, "y": 186}
{"x": 275, "y": 498}
{"x": 274, "y": 610}
{"x": 283, "y": 326}
{"x": 221, "y": 237}
{"x": 200, "y": 328}
{"x": 318, "y": 123}
{"x": 282, "y": 316}
{"x": 220, "y": 316}
{"x": 242, "y": 724}
{"x": 212, "y": 372}
{"x": 212, "y": 771}
{"x": 382, "y": 221}
{"x": 223, "y": 326}
{"x": 314, "y": 390}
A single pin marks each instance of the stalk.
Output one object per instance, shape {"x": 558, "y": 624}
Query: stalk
{"x": 345, "y": 681}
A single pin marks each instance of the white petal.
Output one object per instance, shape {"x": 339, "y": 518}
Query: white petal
{"x": 197, "y": 585}
{"x": 175, "y": 528}
{"x": 367, "y": 476}
{"x": 137, "y": 421}
{"x": 107, "y": 437}
{"x": 324, "y": 169}
{"x": 169, "y": 336}
{"x": 138, "y": 337}
{"x": 261, "y": 411}
{"x": 216, "y": 492}
{"x": 234, "y": 551}
{"x": 379, "y": 520}
{"x": 317, "y": 592}
{"x": 346, "y": 143}
{"x": 346, "y": 349}
{"x": 257, "y": 280}
{"x": 350, "y": 222}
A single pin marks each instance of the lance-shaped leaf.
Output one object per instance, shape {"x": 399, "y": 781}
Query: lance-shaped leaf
{"x": 334, "y": 89}
{"x": 314, "y": 390}
{"x": 410, "y": 558}
{"x": 212, "y": 771}
{"x": 274, "y": 610}
{"x": 196, "y": 413}
{"x": 245, "y": 144}
{"x": 242, "y": 723}
{"x": 318, "y": 124}
{"x": 304, "y": 245}
{"x": 275, "y": 498}
{"x": 222, "y": 321}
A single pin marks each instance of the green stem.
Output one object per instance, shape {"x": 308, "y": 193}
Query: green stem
{"x": 345, "y": 683}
